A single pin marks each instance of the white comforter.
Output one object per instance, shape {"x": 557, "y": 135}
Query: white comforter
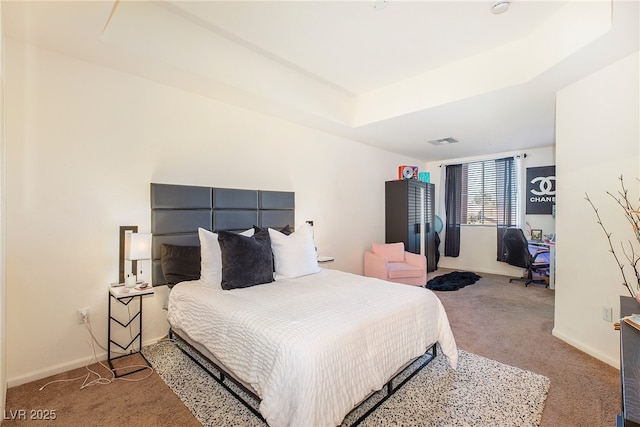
{"x": 313, "y": 347}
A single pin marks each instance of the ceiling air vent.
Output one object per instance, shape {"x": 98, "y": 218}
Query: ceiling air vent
{"x": 443, "y": 141}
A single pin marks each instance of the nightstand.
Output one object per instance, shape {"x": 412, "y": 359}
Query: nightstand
{"x": 118, "y": 295}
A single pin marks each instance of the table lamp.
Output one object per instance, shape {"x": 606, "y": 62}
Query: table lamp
{"x": 137, "y": 247}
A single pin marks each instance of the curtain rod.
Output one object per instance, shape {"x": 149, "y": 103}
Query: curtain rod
{"x": 515, "y": 156}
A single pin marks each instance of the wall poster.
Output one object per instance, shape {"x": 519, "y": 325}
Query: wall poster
{"x": 541, "y": 190}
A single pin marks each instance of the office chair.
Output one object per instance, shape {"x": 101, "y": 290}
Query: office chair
{"x": 518, "y": 254}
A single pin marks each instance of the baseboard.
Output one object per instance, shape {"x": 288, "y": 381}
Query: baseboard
{"x": 615, "y": 362}
{"x": 64, "y": 367}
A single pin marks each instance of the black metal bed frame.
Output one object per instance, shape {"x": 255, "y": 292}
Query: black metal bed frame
{"x": 223, "y": 375}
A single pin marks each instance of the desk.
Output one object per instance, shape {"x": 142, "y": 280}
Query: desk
{"x": 551, "y": 257}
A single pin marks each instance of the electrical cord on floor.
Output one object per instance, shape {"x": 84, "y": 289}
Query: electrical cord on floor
{"x": 94, "y": 342}
{"x": 99, "y": 378}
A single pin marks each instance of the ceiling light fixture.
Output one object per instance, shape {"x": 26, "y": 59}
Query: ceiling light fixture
{"x": 443, "y": 141}
{"x": 500, "y": 6}
{"x": 380, "y": 4}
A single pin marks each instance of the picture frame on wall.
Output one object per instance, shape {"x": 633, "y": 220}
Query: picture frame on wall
{"x": 541, "y": 190}
{"x": 536, "y": 235}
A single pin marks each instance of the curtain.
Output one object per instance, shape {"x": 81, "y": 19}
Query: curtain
{"x": 520, "y": 190}
{"x": 453, "y": 210}
{"x": 441, "y": 209}
{"x": 506, "y": 201}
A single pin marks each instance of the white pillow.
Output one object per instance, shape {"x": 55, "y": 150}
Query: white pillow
{"x": 211, "y": 256}
{"x": 294, "y": 255}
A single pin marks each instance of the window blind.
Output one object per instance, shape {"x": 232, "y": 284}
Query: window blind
{"x": 484, "y": 193}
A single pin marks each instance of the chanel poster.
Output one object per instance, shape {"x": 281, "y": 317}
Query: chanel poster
{"x": 541, "y": 190}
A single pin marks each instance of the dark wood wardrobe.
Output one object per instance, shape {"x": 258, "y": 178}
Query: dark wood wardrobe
{"x": 408, "y": 202}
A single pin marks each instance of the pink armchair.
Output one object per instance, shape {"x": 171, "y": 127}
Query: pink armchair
{"x": 391, "y": 262}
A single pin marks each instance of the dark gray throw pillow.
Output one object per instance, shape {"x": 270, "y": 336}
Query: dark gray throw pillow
{"x": 179, "y": 263}
{"x": 246, "y": 261}
{"x": 286, "y": 230}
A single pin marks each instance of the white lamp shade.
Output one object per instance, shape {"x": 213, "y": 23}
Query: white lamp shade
{"x": 137, "y": 246}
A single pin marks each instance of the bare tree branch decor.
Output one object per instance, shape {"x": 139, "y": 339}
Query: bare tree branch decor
{"x": 630, "y": 251}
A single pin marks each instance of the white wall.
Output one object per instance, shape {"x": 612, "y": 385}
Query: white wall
{"x": 3, "y": 303}
{"x": 597, "y": 140}
{"x": 83, "y": 144}
{"x": 478, "y": 243}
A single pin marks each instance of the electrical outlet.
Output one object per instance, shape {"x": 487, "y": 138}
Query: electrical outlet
{"x": 607, "y": 314}
{"x": 83, "y": 316}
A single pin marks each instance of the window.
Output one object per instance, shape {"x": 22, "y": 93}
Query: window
{"x": 489, "y": 191}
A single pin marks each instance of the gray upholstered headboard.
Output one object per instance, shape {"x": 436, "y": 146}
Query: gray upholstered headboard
{"x": 178, "y": 210}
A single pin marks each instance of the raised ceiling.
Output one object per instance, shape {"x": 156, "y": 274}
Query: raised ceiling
{"x": 393, "y": 78}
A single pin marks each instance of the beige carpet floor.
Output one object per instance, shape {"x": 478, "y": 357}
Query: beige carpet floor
{"x": 491, "y": 318}
{"x": 512, "y": 324}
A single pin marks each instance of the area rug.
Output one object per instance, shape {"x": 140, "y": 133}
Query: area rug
{"x": 480, "y": 392}
{"x": 452, "y": 281}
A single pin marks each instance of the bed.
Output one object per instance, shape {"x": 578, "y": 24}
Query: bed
{"x": 310, "y": 344}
